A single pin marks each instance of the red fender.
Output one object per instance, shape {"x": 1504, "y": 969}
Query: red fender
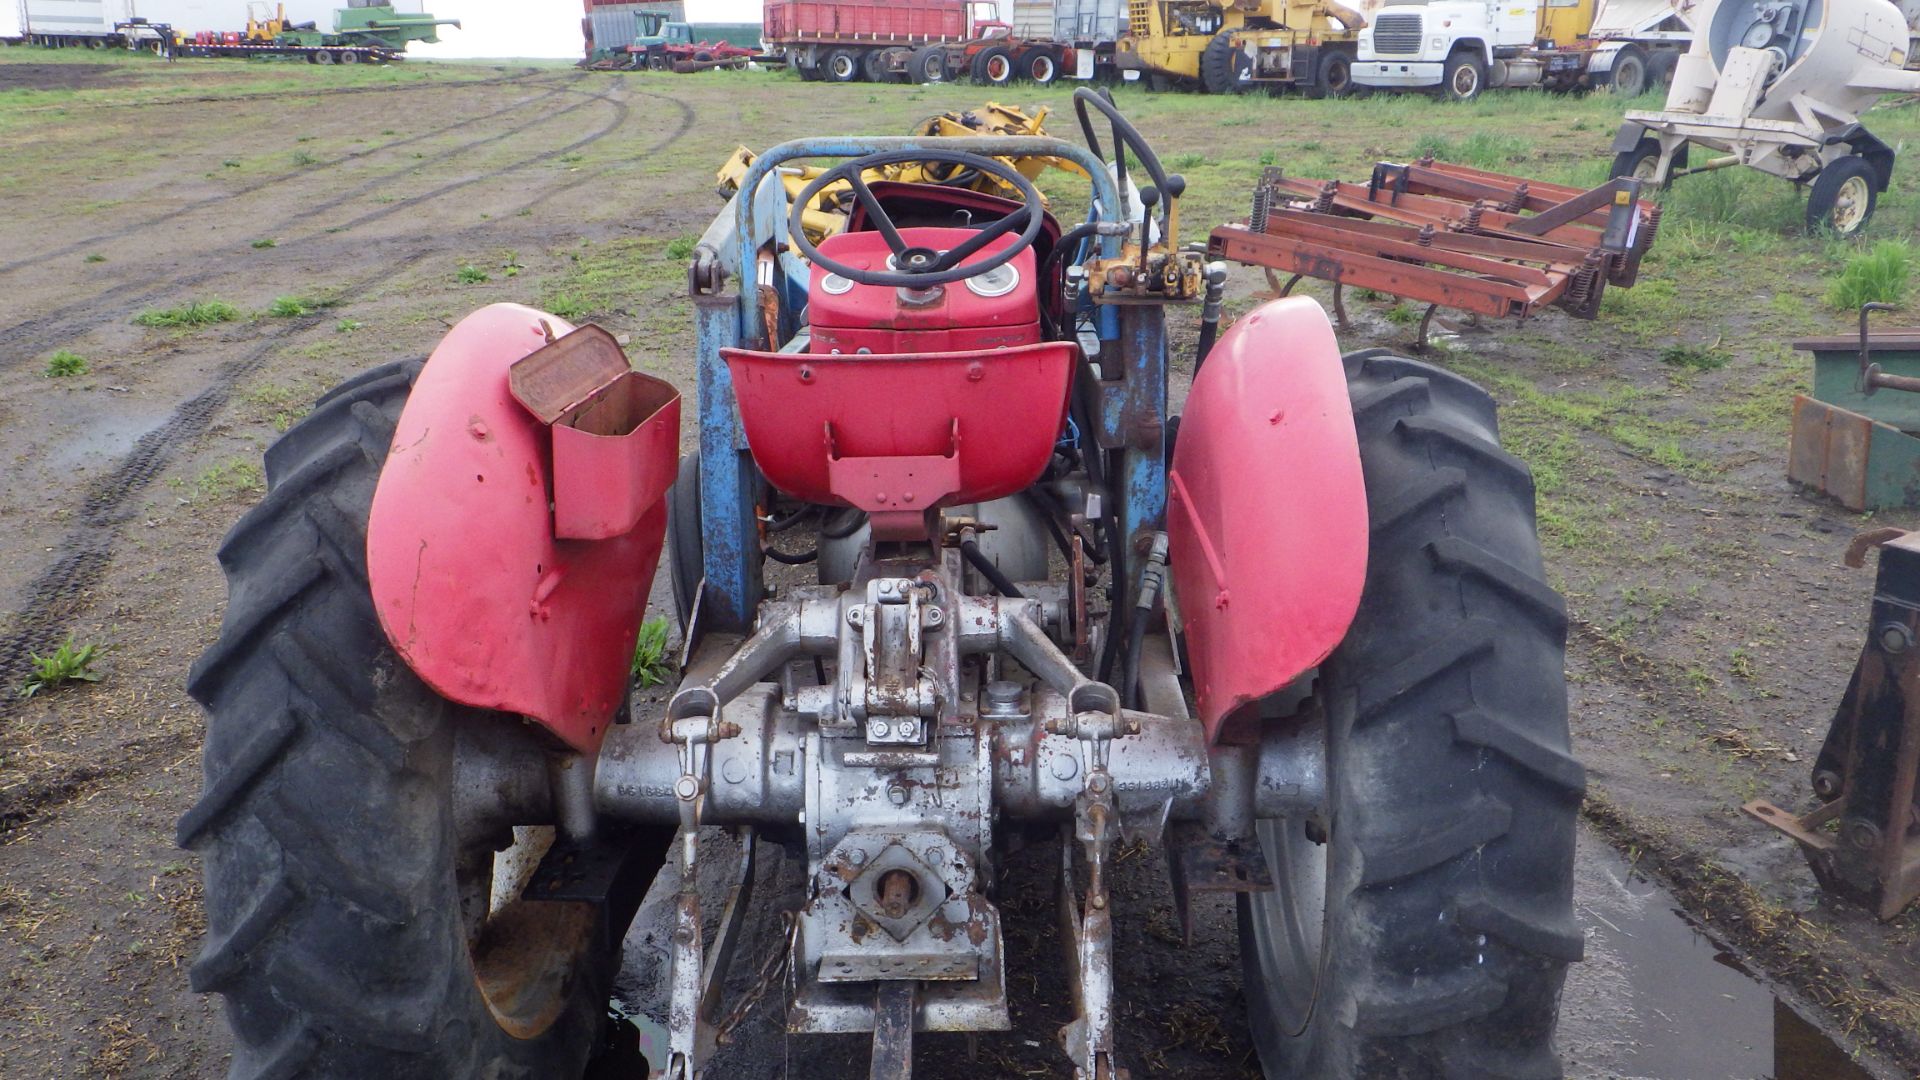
{"x": 472, "y": 586}
{"x": 1266, "y": 508}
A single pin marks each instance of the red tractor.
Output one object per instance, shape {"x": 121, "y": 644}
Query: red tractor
{"x": 1296, "y": 636}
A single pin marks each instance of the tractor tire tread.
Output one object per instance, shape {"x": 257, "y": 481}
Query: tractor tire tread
{"x": 1459, "y": 793}
{"x": 1556, "y": 935}
{"x": 1555, "y": 768}
{"x": 324, "y": 825}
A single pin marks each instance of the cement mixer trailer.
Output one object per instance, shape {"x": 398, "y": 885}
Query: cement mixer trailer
{"x": 1780, "y": 85}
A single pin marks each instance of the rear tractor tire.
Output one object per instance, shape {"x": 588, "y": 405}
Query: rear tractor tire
{"x": 1421, "y": 924}
{"x": 348, "y": 929}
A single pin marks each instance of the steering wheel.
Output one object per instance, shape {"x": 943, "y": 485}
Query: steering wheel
{"x": 920, "y": 267}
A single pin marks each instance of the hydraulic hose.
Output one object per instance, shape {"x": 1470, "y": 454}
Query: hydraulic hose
{"x": 1152, "y": 579}
{"x": 971, "y": 549}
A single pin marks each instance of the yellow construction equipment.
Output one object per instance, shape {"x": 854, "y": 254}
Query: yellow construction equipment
{"x": 828, "y": 214}
{"x": 262, "y": 27}
{"x": 1236, "y": 46}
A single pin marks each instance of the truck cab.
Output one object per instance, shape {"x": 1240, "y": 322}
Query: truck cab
{"x": 1459, "y": 46}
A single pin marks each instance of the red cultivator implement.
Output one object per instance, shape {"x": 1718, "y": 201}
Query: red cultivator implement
{"x": 1298, "y": 638}
{"x": 1448, "y": 236}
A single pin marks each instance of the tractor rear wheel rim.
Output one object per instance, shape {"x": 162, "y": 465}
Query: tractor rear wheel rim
{"x": 525, "y": 953}
{"x": 1291, "y": 929}
{"x": 1850, "y": 205}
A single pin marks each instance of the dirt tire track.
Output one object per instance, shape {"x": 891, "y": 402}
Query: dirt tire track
{"x": 215, "y": 200}
{"x": 61, "y": 592}
{"x": 49, "y": 329}
{"x": 279, "y": 95}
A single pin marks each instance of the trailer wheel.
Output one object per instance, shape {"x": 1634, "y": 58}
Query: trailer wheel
{"x": 1464, "y": 76}
{"x": 1629, "y": 75}
{"x": 348, "y": 924}
{"x": 993, "y": 66}
{"x": 843, "y": 66}
{"x": 1421, "y": 924}
{"x": 313, "y": 57}
{"x": 1641, "y": 162}
{"x": 1842, "y": 197}
{"x": 1224, "y": 67}
{"x": 349, "y": 57}
{"x": 1042, "y": 67}
{"x": 928, "y": 64}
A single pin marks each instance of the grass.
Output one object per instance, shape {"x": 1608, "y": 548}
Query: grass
{"x": 302, "y": 158}
{"x": 67, "y": 664}
{"x": 1880, "y": 274}
{"x": 1693, "y": 357}
{"x": 228, "y": 480}
{"x": 95, "y": 257}
{"x": 264, "y": 243}
{"x": 470, "y": 274}
{"x": 348, "y": 326}
{"x": 652, "y": 662}
{"x": 64, "y": 364}
{"x": 190, "y": 314}
{"x": 295, "y": 307}
{"x": 681, "y": 248}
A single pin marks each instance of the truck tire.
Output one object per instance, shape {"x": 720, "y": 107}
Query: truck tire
{"x": 928, "y": 64}
{"x": 1841, "y": 199}
{"x": 1041, "y": 66}
{"x": 657, "y": 61}
{"x": 1224, "y": 68}
{"x": 1332, "y": 75}
{"x": 1464, "y": 76}
{"x": 1423, "y": 924}
{"x": 1660, "y": 68}
{"x": 334, "y": 915}
{"x": 1628, "y": 76}
{"x": 1643, "y": 159}
{"x": 993, "y": 66}
{"x": 842, "y": 66}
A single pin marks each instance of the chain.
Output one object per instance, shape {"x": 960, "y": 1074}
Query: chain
{"x": 772, "y": 969}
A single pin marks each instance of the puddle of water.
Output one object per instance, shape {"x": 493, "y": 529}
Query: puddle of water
{"x": 1660, "y": 999}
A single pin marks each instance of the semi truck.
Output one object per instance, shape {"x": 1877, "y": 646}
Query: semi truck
{"x": 870, "y": 40}
{"x": 1045, "y": 40}
{"x": 1461, "y": 47}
